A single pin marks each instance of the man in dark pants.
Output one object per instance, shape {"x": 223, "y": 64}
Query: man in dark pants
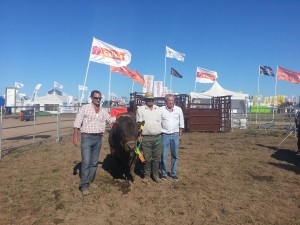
{"x": 150, "y": 137}
{"x": 91, "y": 121}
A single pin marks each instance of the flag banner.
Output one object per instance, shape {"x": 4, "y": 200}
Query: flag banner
{"x": 58, "y": 85}
{"x": 158, "y": 89}
{"x": 175, "y": 73}
{"x": 123, "y": 70}
{"x": 108, "y": 54}
{"x": 37, "y": 87}
{"x": 124, "y": 99}
{"x": 149, "y": 83}
{"x": 288, "y": 75}
{"x": 138, "y": 78}
{"x": 70, "y": 99}
{"x": 82, "y": 88}
{"x": 170, "y": 53}
{"x": 266, "y": 70}
{"x": 205, "y": 76}
{"x": 113, "y": 95}
{"x": 18, "y": 85}
{"x": 165, "y": 91}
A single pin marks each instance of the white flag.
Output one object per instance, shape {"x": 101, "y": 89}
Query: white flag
{"x": 37, "y": 87}
{"x": 205, "y": 76}
{"x": 108, "y": 54}
{"x": 58, "y": 85}
{"x": 18, "y": 85}
{"x": 173, "y": 54}
{"x": 113, "y": 95}
{"x": 82, "y": 88}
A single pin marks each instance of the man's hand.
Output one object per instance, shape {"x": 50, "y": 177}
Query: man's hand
{"x": 140, "y": 138}
{"x": 75, "y": 140}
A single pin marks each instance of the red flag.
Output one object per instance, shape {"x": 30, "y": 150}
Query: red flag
{"x": 288, "y": 75}
{"x": 128, "y": 72}
{"x": 139, "y": 79}
{"x": 123, "y": 70}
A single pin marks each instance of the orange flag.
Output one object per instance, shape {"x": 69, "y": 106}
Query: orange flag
{"x": 288, "y": 75}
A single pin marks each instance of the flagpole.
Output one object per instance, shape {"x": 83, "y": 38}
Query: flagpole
{"x": 195, "y": 83}
{"x": 78, "y": 92}
{"x": 170, "y": 81}
{"x": 257, "y": 94}
{"x": 54, "y": 94}
{"x": 86, "y": 73}
{"x": 165, "y": 71}
{"x": 275, "y": 102}
{"x": 109, "y": 82}
{"x": 132, "y": 86}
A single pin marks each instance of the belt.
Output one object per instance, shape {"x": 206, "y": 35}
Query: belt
{"x": 156, "y": 135}
{"x": 170, "y": 133}
{"x": 93, "y": 134}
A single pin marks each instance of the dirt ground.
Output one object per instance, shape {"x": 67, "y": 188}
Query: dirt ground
{"x": 239, "y": 177}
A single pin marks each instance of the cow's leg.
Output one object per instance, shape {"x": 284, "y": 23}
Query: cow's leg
{"x": 112, "y": 151}
{"x": 132, "y": 167}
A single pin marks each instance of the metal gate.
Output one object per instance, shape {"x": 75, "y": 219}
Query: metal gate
{"x": 215, "y": 115}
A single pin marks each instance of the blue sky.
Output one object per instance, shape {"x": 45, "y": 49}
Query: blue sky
{"x": 46, "y": 41}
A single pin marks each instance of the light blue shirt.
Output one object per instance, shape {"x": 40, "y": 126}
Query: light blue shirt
{"x": 172, "y": 120}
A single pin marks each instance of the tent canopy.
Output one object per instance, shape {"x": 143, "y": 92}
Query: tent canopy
{"x": 217, "y": 91}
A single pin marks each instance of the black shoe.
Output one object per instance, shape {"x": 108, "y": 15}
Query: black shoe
{"x": 175, "y": 178}
{"x": 163, "y": 178}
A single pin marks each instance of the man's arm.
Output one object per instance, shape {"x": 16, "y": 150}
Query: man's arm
{"x": 75, "y": 136}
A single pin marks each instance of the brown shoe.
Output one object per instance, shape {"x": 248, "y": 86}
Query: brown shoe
{"x": 145, "y": 180}
{"x": 94, "y": 186}
{"x": 85, "y": 192}
{"x": 156, "y": 179}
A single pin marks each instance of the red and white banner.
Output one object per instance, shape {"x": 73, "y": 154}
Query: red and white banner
{"x": 205, "y": 76}
{"x": 149, "y": 83}
{"x": 108, "y": 54}
{"x": 158, "y": 89}
{"x": 288, "y": 75}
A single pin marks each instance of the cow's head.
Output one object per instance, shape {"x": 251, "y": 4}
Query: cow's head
{"x": 128, "y": 130}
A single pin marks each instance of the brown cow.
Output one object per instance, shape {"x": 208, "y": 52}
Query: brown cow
{"x": 122, "y": 141}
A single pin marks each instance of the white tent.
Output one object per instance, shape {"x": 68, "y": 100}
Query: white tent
{"x": 48, "y": 102}
{"x": 217, "y": 91}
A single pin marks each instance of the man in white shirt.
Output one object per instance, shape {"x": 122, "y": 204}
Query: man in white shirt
{"x": 172, "y": 130}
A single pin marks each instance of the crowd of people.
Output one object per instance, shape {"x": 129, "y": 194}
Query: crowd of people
{"x": 162, "y": 131}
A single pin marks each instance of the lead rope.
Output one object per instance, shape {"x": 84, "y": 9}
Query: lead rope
{"x": 137, "y": 149}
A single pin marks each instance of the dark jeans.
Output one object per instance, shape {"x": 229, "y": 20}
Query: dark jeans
{"x": 298, "y": 135}
{"x": 152, "y": 148}
{"x": 90, "y": 151}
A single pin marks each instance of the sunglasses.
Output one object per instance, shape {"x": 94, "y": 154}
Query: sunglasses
{"x": 97, "y": 98}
